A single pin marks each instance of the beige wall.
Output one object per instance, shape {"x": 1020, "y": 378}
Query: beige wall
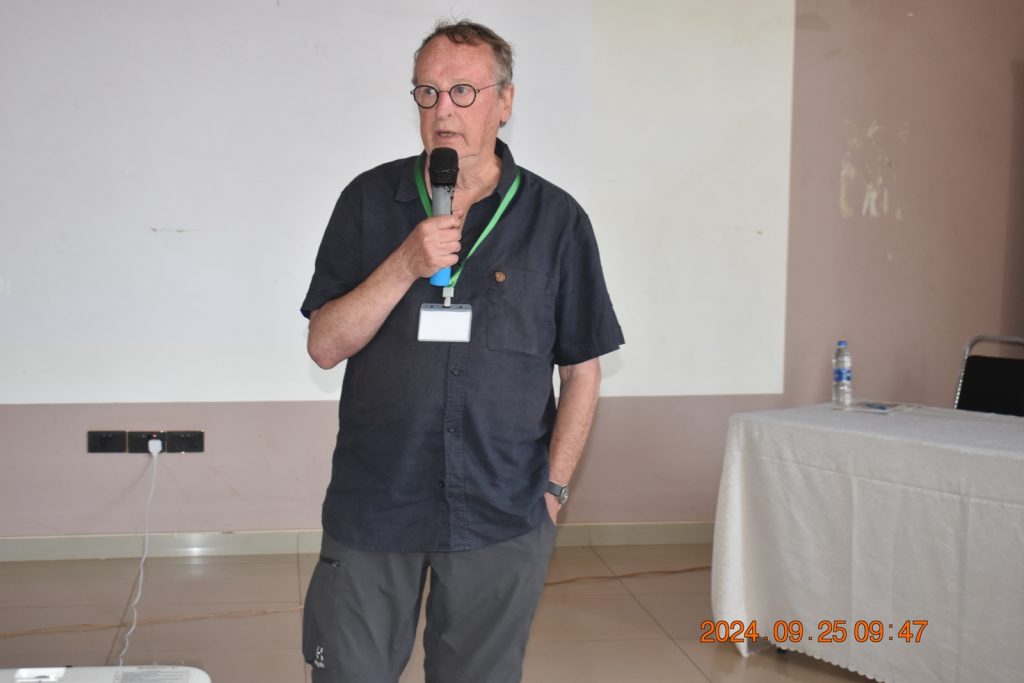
{"x": 943, "y": 81}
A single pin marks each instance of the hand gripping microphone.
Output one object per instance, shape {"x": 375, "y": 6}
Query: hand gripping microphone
{"x": 444, "y": 169}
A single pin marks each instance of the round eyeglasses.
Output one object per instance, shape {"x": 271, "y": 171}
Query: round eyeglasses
{"x": 462, "y": 94}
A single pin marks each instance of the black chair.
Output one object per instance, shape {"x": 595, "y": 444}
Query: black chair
{"x": 991, "y": 384}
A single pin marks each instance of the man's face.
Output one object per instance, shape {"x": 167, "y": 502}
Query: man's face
{"x": 470, "y": 131}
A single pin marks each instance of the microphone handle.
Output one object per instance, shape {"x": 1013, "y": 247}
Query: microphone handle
{"x": 441, "y": 205}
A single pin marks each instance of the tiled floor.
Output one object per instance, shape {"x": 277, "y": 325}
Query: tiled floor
{"x": 238, "y": 618}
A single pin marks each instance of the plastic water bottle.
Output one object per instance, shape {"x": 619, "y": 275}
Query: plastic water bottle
{"x": 842, "y": 377}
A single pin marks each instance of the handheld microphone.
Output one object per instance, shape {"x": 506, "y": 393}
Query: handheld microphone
{"x": 444, "y": 169}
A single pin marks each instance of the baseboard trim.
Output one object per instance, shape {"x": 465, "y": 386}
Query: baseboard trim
{"x": 638, "y": 533}
{"x": 202, "y": 544}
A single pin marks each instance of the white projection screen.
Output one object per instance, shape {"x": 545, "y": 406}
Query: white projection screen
{"x": 168, "y": 168}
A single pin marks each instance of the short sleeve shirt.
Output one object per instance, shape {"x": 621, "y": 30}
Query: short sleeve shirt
{"x": 444, "y": 446}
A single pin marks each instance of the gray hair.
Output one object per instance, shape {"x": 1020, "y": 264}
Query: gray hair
{"x": 469, "y": 33}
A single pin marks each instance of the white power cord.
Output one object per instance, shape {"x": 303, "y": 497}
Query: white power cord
{"x": 156, "y": 446}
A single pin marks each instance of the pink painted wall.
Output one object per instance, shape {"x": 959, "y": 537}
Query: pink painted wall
{"x": 943, "y": 81}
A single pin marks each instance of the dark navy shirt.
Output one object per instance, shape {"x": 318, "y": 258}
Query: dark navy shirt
{"x": 444, "y": 446}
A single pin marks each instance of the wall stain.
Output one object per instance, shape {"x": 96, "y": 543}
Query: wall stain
{"x": 179, "y": 231}
{"x": 869, "y": 182}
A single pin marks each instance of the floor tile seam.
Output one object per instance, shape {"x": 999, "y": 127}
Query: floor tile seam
{"x": 279, "y": 606}
{"x": 611, "y": 577}
{"x": 648, "y": 553}
{"x": 641, "y": 639}
{"x": 220, "y": 560}
{"x": 656, "y": 572}
{"x": 576, "y": 566}
{"x": 46, "y": 571}
{"x": 563, "y": 592}
{"x": 169, "y": 602}
{"x": 679, "y": 644}
{"x": 565, "y": 597}
{"x": 60, "y": 605}
{"x": 114, "y": 652}
{"x": 227, "y": 650}
{"x": 621, "y": 575}
{"x": 30, "y": 661}
{"x": 282, "y": 611}
{"x": 201, "y": 651}
{"x": 620, "y": 639}
{"x": 640, "y": 570}
{"x": 226, "y": 603}
{"x": 583, "y": 574}
{"x": 583, "y": 594}
{"x": 65, "y": 576}
{"x": 667, "y": 592}
{"x": 220, "y": 572}
{"x": 79, "y": 629}
{"x": 603, "y": 561}
{"x": 652, "y": 617}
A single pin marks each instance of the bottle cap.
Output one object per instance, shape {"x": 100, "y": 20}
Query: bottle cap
{"x": 842, "y": 342}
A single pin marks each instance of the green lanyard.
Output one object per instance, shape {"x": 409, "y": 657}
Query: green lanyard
{"x": 425, "y": 198}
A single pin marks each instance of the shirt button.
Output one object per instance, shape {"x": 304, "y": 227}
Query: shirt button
{"x": 440, "y": 484}
{"x": 451, "y": 430}
{"x": 455, "y": 371}
{"x": 499, "y": 276}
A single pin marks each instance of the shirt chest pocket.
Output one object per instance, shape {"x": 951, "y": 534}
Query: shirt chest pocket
{"x": 521, "y": 312}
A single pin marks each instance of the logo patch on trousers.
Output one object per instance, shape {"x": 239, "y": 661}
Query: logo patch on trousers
{"x": 318, "y": 659}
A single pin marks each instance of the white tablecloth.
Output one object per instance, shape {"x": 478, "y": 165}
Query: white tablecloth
{"x": 917, "y": 515}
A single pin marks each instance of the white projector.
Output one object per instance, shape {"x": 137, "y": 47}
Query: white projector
{"x": 106, "y": 674}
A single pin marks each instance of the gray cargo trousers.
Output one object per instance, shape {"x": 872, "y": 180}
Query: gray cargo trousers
{"x": 362, "y": 610}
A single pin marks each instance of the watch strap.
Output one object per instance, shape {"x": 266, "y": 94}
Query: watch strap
{"x": 558, "y": 491}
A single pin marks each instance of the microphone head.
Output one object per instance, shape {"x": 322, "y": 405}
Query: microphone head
{"x": 444, "y": 166}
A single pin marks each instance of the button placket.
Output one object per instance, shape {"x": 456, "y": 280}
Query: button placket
{"x": 454, "y": 485}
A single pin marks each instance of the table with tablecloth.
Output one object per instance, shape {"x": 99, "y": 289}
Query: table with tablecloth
{"x": 873, "y": 522}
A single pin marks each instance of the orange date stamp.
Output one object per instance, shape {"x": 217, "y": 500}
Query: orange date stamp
{"x": 828, "y": 631}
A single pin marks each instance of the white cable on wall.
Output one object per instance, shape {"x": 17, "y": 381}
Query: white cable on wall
{"x": 156, "y": 446}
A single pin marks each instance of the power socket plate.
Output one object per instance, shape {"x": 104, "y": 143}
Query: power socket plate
{"x": 138, "y": 442}
{"x": 107, "y": 441}
{"x": 185, "y": 442}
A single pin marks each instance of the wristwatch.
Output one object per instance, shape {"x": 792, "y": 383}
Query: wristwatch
{"x": 559, "y": 492}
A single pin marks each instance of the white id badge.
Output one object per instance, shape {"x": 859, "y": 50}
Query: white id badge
{"x": 440, "y": 324}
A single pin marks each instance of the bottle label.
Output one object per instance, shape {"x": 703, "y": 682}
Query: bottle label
{"x": 842, "y": 375}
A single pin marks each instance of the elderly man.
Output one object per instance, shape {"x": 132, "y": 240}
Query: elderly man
{"x": 451, "y": 461}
